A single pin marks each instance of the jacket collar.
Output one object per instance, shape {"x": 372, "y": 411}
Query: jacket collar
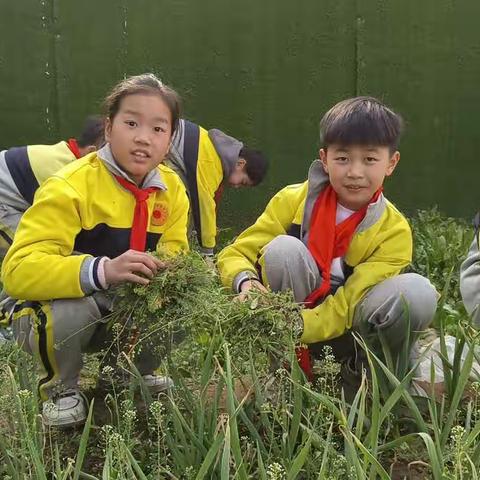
{"x": 153, "y": 178}
{"x": 317, "y": 181}
{"x": 227, "y": 148}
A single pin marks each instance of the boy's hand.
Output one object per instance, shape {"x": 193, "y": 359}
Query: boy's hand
{"x": 247, "y": 286}
{"x": 127, "y": 267}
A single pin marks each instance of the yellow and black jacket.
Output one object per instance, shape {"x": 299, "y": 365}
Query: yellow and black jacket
{"x": 81, "y": 214}
{"x": 204, "y": 160}
{"x": 24, "y": 169}
{"x": 380, "y": 248}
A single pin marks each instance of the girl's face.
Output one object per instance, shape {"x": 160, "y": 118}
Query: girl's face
{"x": 139, "y": 134}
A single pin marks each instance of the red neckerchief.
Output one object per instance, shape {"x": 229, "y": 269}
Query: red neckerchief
{"x": 74, "y": 148}
{"x": 138, "y": 235}
{"x": 327, "y": 241}
{"x": 218, "y": 194}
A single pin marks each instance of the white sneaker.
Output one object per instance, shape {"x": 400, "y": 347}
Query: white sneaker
{"x": 65, "y": 410}
{"x": 157, "y": 383}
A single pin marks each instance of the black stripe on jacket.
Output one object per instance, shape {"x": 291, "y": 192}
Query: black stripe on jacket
{"x": 190, "y": 159}
{"x": 103, "y": 240}
{"x": 294, "y": 230}
{"x": 21, "y": 171}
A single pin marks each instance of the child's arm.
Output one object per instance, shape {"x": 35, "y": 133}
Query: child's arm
{"x": 470, "y": 278}
{"x": 174, "y": 238}
{"x": 239, "y": 258}
{"x": 40, "y": 264}
{"x": 335, "y": 315}
{"x": 209, "y": 179}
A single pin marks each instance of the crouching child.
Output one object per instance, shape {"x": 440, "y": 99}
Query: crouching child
{"x": 207, "y": 162}
{"x": 337, "y": 242}
{"x": 24, "y": 169}
{"x": 88, "y": 230}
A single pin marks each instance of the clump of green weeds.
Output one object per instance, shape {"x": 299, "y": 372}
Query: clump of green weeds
{"x": 185, "y": 308}
{"x": 440, "y": 244}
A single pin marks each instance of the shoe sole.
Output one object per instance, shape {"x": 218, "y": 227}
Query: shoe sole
{"x": 65, "y": 424}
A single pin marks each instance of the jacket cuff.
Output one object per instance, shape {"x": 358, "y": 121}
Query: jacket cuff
{"x": 206, "y": 252}
{"x": 91, "y": 280}
{"x": 243, "y": 277}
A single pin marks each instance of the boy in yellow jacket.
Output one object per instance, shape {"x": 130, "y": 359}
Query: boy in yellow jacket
{"x": 87, "y": 230}
{"x": 24, "y": 169}
{"x": 336, "y": 241}
{"x": 207, "y": 161}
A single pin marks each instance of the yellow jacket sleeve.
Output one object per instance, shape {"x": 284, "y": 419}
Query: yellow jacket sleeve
{"x": 209, "y": 178}
{"x": 174, "y": 239}
{"x": 40, "y": 265}
{"x": 242, "y": 255}
{"x": 334, "y": 316}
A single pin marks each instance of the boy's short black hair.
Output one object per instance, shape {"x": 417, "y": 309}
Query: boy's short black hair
{"x": 93, "y": 132}
{"x": 256, "y": 164}
{"x": 361, "y": 121}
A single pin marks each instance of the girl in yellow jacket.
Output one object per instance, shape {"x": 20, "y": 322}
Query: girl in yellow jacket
{"x": 336, "y": 241}
{"x": 88, "y": 229}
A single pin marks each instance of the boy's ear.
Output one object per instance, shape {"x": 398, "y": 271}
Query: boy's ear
{"x": 241, "y": 163}
{"x": 88, "y": 149}
{"x": 108, "y": 129}
{"x": 322, "y": 155}
{"x": 392, "y": 163}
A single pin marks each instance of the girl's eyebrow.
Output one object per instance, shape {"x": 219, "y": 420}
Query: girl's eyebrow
{"x": 161, "y": 120}
{"x": 138, "y": 114}
{"x": 131, "y": 112}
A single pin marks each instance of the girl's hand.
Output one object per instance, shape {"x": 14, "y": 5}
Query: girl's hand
{"x": 247, "y": 286}
{"x": 127, "y": 267}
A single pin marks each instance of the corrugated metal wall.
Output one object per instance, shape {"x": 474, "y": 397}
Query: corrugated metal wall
{"x": 262, "y": 70}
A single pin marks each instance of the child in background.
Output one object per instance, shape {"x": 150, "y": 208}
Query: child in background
{"x": 207, "y": 161}
{"x": 337, "y": 242}
{"x": 87, "y": 230}
{"x": 24, "y": 169}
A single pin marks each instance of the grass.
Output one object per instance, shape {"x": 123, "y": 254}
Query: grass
{"x": 232, "y": 415}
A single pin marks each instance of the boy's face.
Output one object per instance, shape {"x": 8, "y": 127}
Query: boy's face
{"x": 356, "y": 171}
{"x": 139, "y": 134}
{"x": 239, "y": 177}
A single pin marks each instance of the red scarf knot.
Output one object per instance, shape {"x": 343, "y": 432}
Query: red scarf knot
{"x": 138, "y": 235}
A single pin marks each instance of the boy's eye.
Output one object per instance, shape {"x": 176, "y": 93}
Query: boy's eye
{"x": 371, "y": 159}
{"x": 159, "y": 129}
{"x": 131, "y": 123}
{"x": 341, "y": 159}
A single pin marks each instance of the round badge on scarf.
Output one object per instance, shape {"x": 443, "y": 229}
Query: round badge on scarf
{"x": 159, "y": 214}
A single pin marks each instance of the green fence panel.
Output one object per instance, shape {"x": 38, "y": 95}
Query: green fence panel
{"x": 423, "y": 58}
{"x": 27, "y": 72}
{"x": 264, "y": 71}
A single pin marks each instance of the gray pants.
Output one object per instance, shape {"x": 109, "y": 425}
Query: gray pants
{"x": 56, "y": 333}
{"x": 389, "y": 308}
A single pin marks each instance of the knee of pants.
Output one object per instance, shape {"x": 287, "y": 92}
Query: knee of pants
{"x": 408, "y": 297}
{"x": 281, "y": 252}
{"x": 74, "y": 320}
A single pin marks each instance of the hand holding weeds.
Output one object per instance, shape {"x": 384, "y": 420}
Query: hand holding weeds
{"x": 247, "y": 287}
{"x": 132, "y": 266}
